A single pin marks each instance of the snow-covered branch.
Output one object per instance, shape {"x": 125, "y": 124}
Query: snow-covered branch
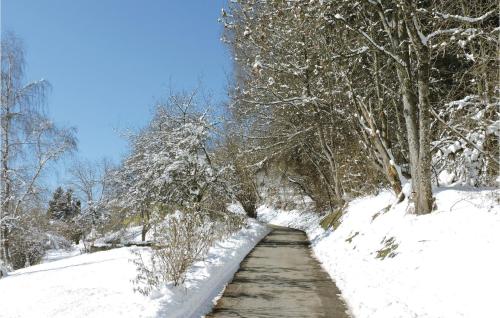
{"x": 465, "y": 19}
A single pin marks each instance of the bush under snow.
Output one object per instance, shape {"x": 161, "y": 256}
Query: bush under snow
{"x": 100, "y": 284}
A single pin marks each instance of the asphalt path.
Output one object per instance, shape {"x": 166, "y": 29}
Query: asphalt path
{"x": 281, "y": 278}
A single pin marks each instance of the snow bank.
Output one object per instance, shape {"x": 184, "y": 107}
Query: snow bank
{"x": 389, "y": 263}
{"x": 131, "y": 235}
{"x": 99, "y": 284}
{"x": 3, "y": 270}
{"x": 53, "y": 255}
{"x": 305, "y": 220}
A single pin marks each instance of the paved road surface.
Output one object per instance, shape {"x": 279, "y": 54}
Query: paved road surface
{"x": 280, "y": 278}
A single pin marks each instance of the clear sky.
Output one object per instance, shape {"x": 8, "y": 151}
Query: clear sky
{"x": 109, "y": 60}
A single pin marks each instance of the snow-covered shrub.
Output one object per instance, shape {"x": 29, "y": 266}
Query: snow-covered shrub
{"x": 226, "y": 224}
{"x": 181, "y": 239}
{"x": 27, "y": 247}
{"x": 468, "y": 145}
{"x": 67, "y": 229}
{"x": 57, "y": 242}
{"x": 173, "y": 185}
{"x": 27, "y": 238}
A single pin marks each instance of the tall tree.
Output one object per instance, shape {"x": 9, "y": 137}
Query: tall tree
{"x": 407, "y": 32}
{"x": 30, "y": 141}
{"x": 91, "y": 182}
{"x": 63, "y": 205}
{"x": 170, "y": 164}
{"x": 338, "y": 82}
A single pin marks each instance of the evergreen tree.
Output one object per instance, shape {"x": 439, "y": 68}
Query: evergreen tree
{"x": 63, "y": 205}
{"x": 56, "y": 205}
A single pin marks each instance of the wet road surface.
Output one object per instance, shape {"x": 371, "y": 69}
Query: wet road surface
{"x": 280, "y": 278}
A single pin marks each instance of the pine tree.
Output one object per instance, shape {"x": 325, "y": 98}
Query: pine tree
{"x": 63, "y": 206}
{"x": 57, "y": 204}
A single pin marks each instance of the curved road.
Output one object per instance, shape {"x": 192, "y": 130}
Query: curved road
{"x": 280, "y": 278}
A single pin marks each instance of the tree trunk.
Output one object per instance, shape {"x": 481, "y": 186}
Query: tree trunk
{"x": 334, "y": 174}
{"x": 381, "y": 153}
{"x": 424, "y": 200}
{"x": 422, "y": 185}
{"x": 5, "y": 180}
{"x": 410, "y": 116}
{"x": 145, "y": 225}
{"x": 143, "y": 232}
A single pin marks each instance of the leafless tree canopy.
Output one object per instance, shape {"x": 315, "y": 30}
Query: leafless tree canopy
{"x": 342, "y": 96}
{"x": 30, "y": 142}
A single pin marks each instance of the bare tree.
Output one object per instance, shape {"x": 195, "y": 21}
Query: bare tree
{"x": 407, "y": 32}
{"x": 330, "y": 84}
{"x": 29, "y": 140}
{"x": 90, "y": 180}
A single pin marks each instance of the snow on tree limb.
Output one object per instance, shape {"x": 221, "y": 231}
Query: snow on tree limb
{"x": 465, "y": 19}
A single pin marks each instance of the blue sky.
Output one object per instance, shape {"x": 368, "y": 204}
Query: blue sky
{"x": 109, "y": 60}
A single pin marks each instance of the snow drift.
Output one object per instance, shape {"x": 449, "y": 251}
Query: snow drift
{"x": 100, "y": 284}
{"x": 389, "y": 263}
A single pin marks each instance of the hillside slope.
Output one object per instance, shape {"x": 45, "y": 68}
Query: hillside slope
{"x": 389, "y": 263}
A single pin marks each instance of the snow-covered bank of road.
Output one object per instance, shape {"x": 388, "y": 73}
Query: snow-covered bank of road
{"x": 99, "y": 284}
{"x": 389, "y": 263}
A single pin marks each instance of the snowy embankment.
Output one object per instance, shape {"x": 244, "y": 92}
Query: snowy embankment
{"x": 389, "y": 263}
{"x": 99, "y": 284}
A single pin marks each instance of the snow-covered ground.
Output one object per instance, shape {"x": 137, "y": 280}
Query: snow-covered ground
{"x": 59, "y": 254}
{"x": 392, "y": 264}
{"x": 99, "y": 284}
{"x": 129, "y": 235}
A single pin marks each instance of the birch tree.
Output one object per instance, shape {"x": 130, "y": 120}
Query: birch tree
{"x": 30, "y": 142}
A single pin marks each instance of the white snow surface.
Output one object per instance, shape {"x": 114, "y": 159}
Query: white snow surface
{"x": 99, "y": 284}
{"x": 446, "y": 263}
{"x": 53, "y": 255}
{"x": 129, "y": 235}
